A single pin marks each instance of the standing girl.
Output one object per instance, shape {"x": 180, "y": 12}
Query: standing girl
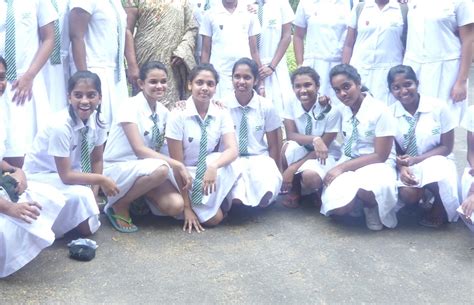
{"x": 229, "y": 32}
{"x": 254, "y": 119}
{"x": 25, "y": 221}
{"x": 439, "y": 48}
{"x": 97, "y": 33}
{"x": 311, "y": 127}
{"x": 193, "y": 134}
{"x": 26, "y": 42}
{"x": 68, "y": 155}
{"x": 424, "y": 143}
{"x": 136, "y": 153}
{"x": 365, "y": 174}
{"x": 320, "y": 30}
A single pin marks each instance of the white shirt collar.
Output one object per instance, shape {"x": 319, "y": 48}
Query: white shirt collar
{"x": 423, "y": 106}
{"x": 233, "y": 103}
{"x": 192, "y": 111}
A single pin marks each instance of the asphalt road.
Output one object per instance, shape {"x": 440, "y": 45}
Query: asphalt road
{"x": 276, "y": 255}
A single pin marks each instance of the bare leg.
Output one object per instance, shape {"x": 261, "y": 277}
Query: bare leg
{"x": 15, "y": 161}
{"x": 345, "y": 209}
{"x": 410, "y": 195}
{"x": 84, "y": 229}
{"x": 215, "y": 220}
{"x": 265, "y": 199}
{"x": 367, "y": 198}
{"x": 167, "y": 199}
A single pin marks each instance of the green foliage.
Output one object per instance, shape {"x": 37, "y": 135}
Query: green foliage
{"x": 290, "y": 58}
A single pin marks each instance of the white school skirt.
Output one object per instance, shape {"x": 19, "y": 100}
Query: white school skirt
{"x": 55, "y": 80}
{"x": 323, "y": 67}
{"x": 378, "y": 178}
{"x": 466, "y": 181}
{"x": 21, "y": 242}
{"x": 125, "y": 174}
{"x": 226, "y": 177}
{"x": 80, "y": 204}
{"x": 260, "y": 175}
{"x": 375, "y": 80}
{"x": 437, "y": 79}
{"x": 278, "y": 87}
{"x": 443, "y": 171}
{"x": 25, "y": 120}
{"x": 295, "y": 152}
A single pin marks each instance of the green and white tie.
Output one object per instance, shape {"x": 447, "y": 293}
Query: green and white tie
{"x": 197, "y": 194}
{"x": 207, "y": 5}
{"x": 156, "y": 137}
{"x": 309, "y": 124}
{"x": 352, "y": 139}
{"x": 260, "y": 20}
{"x": 85, "y": 153}
{"x": 244, "y": 132}
{"x": 120, "y": 42}
{"x": 411, "y": 148}
{"x": 10, "y": 42}
{"x": 55, "y": 57}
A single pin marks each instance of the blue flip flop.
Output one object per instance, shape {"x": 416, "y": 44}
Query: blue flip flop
{"x": 113, "y": 220}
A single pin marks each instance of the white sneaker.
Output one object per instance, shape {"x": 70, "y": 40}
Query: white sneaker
{"x": 372, "y": 219}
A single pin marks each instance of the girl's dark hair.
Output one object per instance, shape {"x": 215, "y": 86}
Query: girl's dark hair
{"x": 85, "y": 75}
{"x": 401, "y": 69}
{"x": 3, "y": 62}
{"x": 346, "y": 70}
{"x": 148, "y": 66}
{"x": 306, "y": 71}
{"x": 203, "y": 67}
{"x": 248, "y": 62}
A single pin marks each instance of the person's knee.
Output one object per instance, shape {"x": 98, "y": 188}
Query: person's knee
{"x": 310, "y": 179}
{"x": 409, "y": 195}
{"x": 215, "y": 220}
{"x": 173, "y": 205}
{"x": 161, "y": 172}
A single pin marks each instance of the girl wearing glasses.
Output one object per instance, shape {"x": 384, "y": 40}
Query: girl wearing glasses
{"x": 311, "y": 127}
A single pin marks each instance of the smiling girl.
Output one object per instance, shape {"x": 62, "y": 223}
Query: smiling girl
{"x": 424, "y": 143}
{"x": 193, "y": 134}
{"x": 365, "y": 175}
{"x": 68, "y": 155}
{"x": 136, "y": 153}
{"x": 254, "y": 118}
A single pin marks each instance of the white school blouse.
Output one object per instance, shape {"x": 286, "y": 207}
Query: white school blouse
{"x": 101, "y": 38}
{"x": 378, "y": 43}
{"x": 435, "y": 119}
{"x": 325, "y": 22}
{"x": 230, "y": 34}
{"x": 29, "y": 17}
{"x": 331, "y": 122}
{"x": 61, "y": 138}
{"x": 183, "y": 125}
{"x": 375, "y": 120}
{"x": 137, "y": 111}
{"x": 432, "y": 29}
{"x": 262, "y": 118}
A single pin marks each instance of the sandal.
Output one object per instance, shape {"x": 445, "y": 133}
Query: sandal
{"x": 113, "y": 220}
{"x": 291, "y": 200}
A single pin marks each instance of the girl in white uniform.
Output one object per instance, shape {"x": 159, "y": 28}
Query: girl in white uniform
{"x": 68, "y": 155}
{"x": 424, "y": 142}
{"x": 374, "y": 44}
{"x": 56, "y": 69}
{"x": 320, "y": 30}
{"x": 254, "y": 119}
{"x": 439, "y": 48}
{"x": 136, "y": 153}
{"x": 25, "y": 225}
{"x": 97, "y": 33}
{"x": 274, "y": 40}
{"x": 365, "y": 174}
{"x": 26, "y": 101}
{"x": 467, "y": 180}
{"x": 311, "y": 127}
{"x": 229, "y": 32}
{"x": 193, "y": 134}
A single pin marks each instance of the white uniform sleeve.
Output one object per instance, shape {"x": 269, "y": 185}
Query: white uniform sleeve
{"x": 468, "y": 119}
{"x": 287, "y": 14}
{"x": 175, "y": 125}
{"x": 352, "y": 22}
{"x": 288, "y": 113}
{"x": 205, "y": 28}
{"x": 300, "y": 18}
{"x": 59, "y": 142}
{"x": 227, "y": 124}
{"x": 254, "y": 28}
{"x": 385, "y": 125}
{"x": 334, "y": 120}
{"x": 272, "y": 119}
{"x": 101, "y": 136}
{"x": 87, "y": 5}
{"x": 465, "y": 12}
{"x": 46, "y": 13}
{"x": 447, "y": 121}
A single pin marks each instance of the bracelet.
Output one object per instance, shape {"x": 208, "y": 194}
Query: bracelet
{"x": 270, "y": 66}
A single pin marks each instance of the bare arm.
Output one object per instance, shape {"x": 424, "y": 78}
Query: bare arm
{"x": 466, "y": 35}
{"x": 470, "y": 148}
{"x": 298, "y": 44}
{"x": 206, "y": 49}
{"x": 130, "y": 54}
{"x": 274, "y": 146}
{"x": 254, "y": 50}
{"x": 78, "y": 24}
{"x": 351, "y": 37}
{"x": 285, "y": 40}
{"x": 444, "y": 148}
